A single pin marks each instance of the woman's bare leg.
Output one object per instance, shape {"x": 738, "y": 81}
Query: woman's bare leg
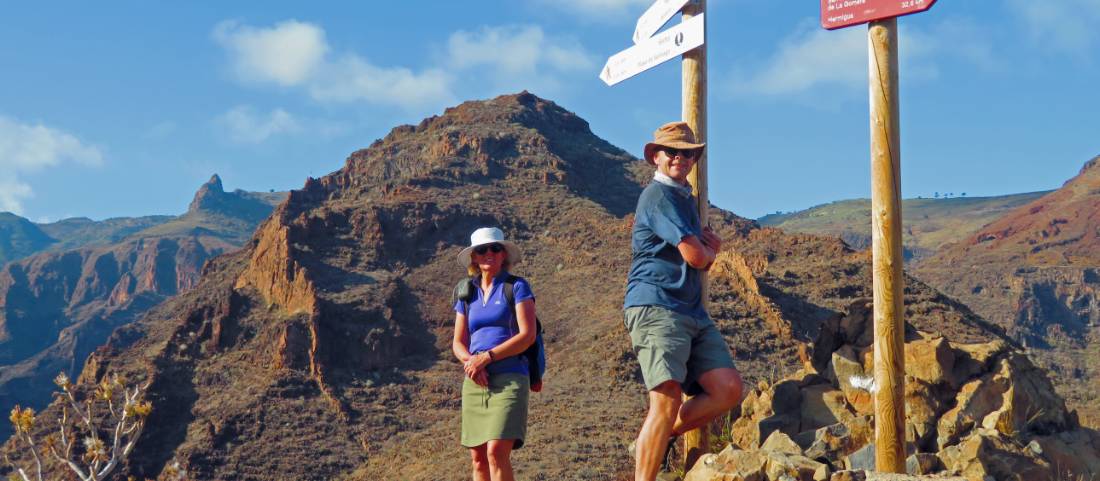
{"x": 480, "y": 459}
{"x": 500, "y": 463}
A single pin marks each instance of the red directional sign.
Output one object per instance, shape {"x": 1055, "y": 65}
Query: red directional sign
{"x": 845, "y": 13}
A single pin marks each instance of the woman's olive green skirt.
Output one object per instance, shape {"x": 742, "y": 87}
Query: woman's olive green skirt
{"x": 496, "y": 412}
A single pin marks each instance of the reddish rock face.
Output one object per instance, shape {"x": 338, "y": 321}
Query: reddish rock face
{"x": 1034, "y": 272}
{"x": 322, "y": 349}
{"x": 56, "y": 307}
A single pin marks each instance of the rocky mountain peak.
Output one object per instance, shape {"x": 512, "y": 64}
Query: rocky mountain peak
{"x": 516, "y": 137}
{"x": 208, "y": 196}
{"x": 212, "y": 199}
{"x": 1091, "y": 167}
{"x": 1087, "y": 181}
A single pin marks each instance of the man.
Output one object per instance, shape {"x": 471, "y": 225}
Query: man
{"x": 677, "y": 344}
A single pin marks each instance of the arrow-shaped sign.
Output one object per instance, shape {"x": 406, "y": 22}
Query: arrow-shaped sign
{"x": 653, "y": 51}
{"x": 845, "y": 13}
{"x": 655, "y": 17}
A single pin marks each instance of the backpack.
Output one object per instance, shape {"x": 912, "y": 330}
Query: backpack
{"x": 536, "y": 352}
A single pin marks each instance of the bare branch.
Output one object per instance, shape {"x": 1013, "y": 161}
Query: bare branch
{"x": 125, "y": 414}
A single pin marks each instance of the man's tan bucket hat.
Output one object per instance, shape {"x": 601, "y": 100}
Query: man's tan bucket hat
{"x": 676, "y": 135}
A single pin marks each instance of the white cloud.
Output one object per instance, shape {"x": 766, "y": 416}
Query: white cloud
{"x": 244, "y": 125}
{"x": 28, "y": 148}
{"x": 287, "y": 54}
{"x": 808, "y": 58}
{"x": 354, "y": 79}
{"x": 1065, "y": 25}
{"x": 12, "y": 193}
{"x": 517, "y": 50}
{"x": 296, "y": 54}
{"x": 812, "y": 58}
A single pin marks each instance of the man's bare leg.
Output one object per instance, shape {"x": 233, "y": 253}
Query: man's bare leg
{"x": 722, "y": 390}
{"x": 664, "y": 404}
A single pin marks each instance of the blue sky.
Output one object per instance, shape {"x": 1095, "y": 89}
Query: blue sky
{"x": 124, "y": 108}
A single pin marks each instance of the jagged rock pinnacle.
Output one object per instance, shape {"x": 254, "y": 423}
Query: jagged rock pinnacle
{"x": 207, "y": 195}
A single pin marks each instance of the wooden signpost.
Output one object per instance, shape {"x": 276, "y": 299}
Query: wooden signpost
{"x": 653, "y": 51}
{"x": 888, "y": 283}
{"x": 687, "y": 39}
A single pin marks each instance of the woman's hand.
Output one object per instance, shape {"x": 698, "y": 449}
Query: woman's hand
{"x": 474, "y": 367}
{"x": 481, "y": 378}
{"x": 476, "y": 362}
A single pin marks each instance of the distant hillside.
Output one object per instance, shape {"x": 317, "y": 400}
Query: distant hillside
{"x": 81, "y": 231}
{"x": 57, "y": 305}
{"x": 20, "y": 237}
{"x": 927, "y": 224}
{"x": 231, "y": 216}
{"x": 1036, "y": 271}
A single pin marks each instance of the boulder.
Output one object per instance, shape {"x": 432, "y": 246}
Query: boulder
{"x": 1030, "y": 404}
{"x": 786, "y": 423}
{"x": 923, "y": 406}
{"x": 1075, "y": 455}
{"x": 832, "y": 443}
{"x": 765, "y": 411}
{"x": 873, "y": 476}
{"x": 843, "y": 366}
{"x": 787, "y": 397}
{"x": 923, "y": 463}
{"x": 974, "y": 359}
{"x": 857, "y": 325}
{"x": 864, "y": 459}
{"x": 973, "y": 403}
{"x": 794, "y": 467}
{"x": 780, "y": 442}
{"x": 822, "y": 405}
{"x": 849, "y": 476}
{"x": 731, "y": 464}
{"x": 931, "y": 361}
{"x": 989, "y": 453}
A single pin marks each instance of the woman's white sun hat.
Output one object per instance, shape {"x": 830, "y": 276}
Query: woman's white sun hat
{"x": 489, "y": 235}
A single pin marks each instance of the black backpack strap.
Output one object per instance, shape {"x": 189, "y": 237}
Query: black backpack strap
{"x": 510, "y": 295}
{"x": 464, "y": 291}
{"x": 510, "y": 292}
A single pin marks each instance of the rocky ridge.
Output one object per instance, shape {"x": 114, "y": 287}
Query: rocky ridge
{"x": 56, "y": 307}
{"x": 322, "y": 349}
{"x": 978, "y": 411}
{"x": 1036, "y": 272}
{"x": 927, "y": 226}
{"x": 20, "y": 237}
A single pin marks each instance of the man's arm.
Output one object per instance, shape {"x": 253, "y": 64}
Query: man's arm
{"x": 695, "y": 252}
{"x": 700, "y": 253}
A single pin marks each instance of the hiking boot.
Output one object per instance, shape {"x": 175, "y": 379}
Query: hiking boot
{"x": 666, "y": 460}
{"x": 669, "y": 459}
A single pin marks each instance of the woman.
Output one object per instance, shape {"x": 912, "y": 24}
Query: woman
{"x": 488, "y": 339}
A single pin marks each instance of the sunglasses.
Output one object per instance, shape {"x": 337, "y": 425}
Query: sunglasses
{"x": 481, "y": 250}
{"x": 683, "y": 153}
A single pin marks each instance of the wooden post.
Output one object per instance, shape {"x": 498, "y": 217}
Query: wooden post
{"x": 696, "y": 442}
{"x": 888, "y": 282}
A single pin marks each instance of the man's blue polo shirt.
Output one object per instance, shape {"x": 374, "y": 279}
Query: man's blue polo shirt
{"x": 659, "y": 275}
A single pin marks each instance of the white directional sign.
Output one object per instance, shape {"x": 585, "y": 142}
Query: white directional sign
{"x": 653, "y": 51}
{"x": 655, "y": 17}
